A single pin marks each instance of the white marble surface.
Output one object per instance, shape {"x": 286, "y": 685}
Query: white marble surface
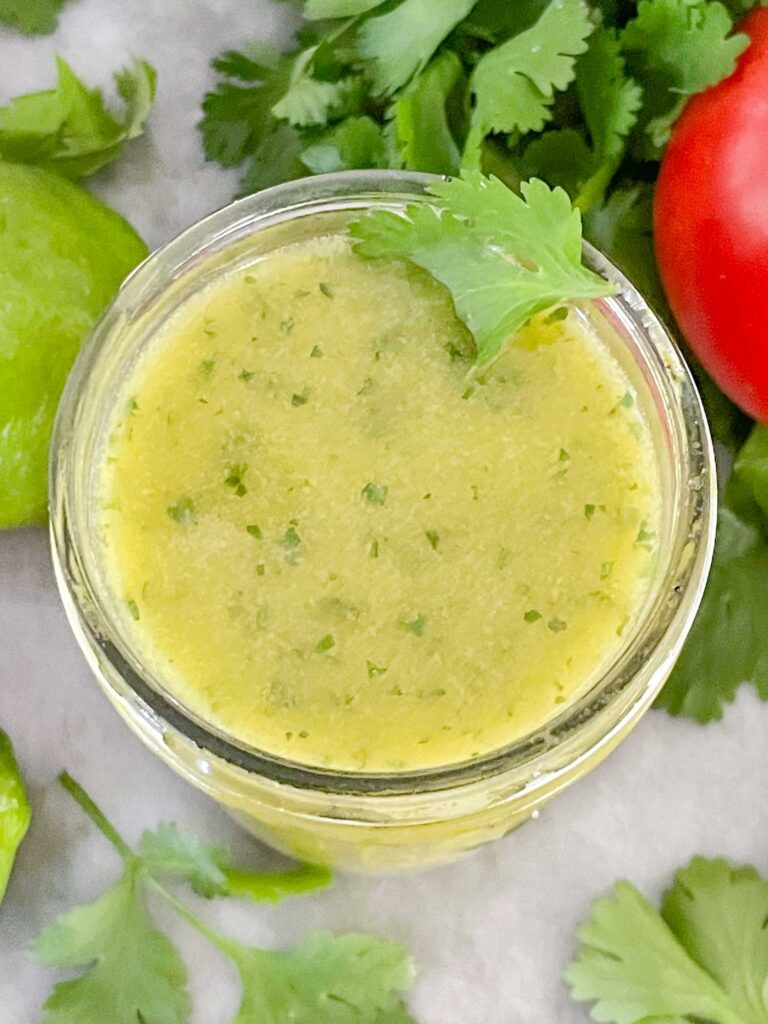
{"x": 492, "y": 933}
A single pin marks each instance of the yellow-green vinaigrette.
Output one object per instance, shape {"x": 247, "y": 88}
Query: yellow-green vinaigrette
{"x": 335, "y": 544}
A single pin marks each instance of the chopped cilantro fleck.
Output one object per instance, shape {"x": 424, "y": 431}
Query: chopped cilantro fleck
{"x": 434, "y": 538}
{"x": 206, "y": 367}
{"x": 414, "y": 625}
{"x": 297, "y": 400}
{"x": 325, "y": 644}
{"x": 557, "y": 625}
{"x": 291, "y": 538}
{"x": 255, "y": 531}
{"x": 556, "y": 315}
{"x": 133, "y": 608}
{"x": 375, "y": 494}
{"x": 502, "y": 558}
{"x": 303, "y": 734}
{"x": 183, "y": 511}
{"x": 374, "y": 670}
{"x": 261, "y": 569}
{"x": 326, "y": 289}
{"x": 286, "y": 326}
{"x": 234, "y": 479}
{"x": 246, "y": 375}
{"x": 644, "y": 537}
{"x": 589, "y": 510}
{"x": 373, "y": 551}
{"x": 316, "y": 353}
{"x": 627, "y": 400}
{"x": 563, "y": 456}
{"x": 532, "y": 615}
{"x": 133, "y": 405}
{"x": 605, "y": 570}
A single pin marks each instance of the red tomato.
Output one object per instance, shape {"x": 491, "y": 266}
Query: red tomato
{"x": 711, "y": 225}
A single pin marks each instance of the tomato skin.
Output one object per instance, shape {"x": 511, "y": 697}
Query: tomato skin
{"x": 711, "y": 224}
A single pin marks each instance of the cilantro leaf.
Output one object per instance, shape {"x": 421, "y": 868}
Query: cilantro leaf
{"x": 15, "y": 813}
{"x": 502, "y": 256}
{"x": 208, "y": 868}
{"x": 676, "y": 48}
{"x": 68, "y": 129}
{"x": 610, "y": 102}
{"x": 635, "y": 967}
{"x": 277, "y": 158}
{"x": 422, "y": 127}
{"x": 718, "y": 913}
{"x": 132, "y": 972}
{"x": 750, "y": 469}
{"x": 349, "y": 979}
{"x": 167, "y": 851}
{"x": 311, "y": 101}
{"x": 561, "y": 157}
{"x": 317, "y": 9}
{"x": 496, "y": 20}
{"x": 238, "y": 117}
{"x": 398, "y": 44}
{"x": 727, "y": 644}
{"x": 514, "y": 84}
{"x": 354, "y": 142}
{"x": 35, "y": 17}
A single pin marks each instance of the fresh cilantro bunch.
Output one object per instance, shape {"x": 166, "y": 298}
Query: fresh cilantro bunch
{"x": 703, "y": 957}
{"x": 131, "y": 973}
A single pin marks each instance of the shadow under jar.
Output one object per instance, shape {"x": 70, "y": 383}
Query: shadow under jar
{"x": 369, "y": 811}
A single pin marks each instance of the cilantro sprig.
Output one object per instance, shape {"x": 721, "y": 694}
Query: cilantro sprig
{"x": 35, "y": 17}
{"x": 131, "y": 972}
{"x": 702, "y": 957}
{"x": 503, "y": 257}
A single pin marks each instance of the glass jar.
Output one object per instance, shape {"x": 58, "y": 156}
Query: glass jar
{"x": 359, "y": 820}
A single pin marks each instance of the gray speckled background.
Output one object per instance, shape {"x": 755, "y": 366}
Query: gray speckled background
{"x": 492, "y": 933}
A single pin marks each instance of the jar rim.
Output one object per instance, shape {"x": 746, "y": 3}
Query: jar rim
{"x": 629, "y": 683}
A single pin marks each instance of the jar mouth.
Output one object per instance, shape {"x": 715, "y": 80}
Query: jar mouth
{"x": 626, "y": 687}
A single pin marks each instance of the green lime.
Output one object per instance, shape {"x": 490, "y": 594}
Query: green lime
{"x": 63, "y": 255}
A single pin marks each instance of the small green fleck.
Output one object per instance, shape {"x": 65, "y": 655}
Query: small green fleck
{"x": 627, "y": 400}
{"x": 373, "y": 551}
{"x": 468, "y": 392}
{"x": 249, "y": 279}
{"x": 502, "y": 558}
{"x": 557, "y": 625}
{"x": 325, "y": 644}
{"x": 396, "y": 691}
{"x": 532, "y": 615}
{"x": 261, "y": 569}
{"x": 563, "y": 456}
{"x": 605, "y": 570}
{"x": 475, "y": 492}
{"x": 301, "y": 293}
{"x": 234, "y": 479}
{"x": 644, "y": 537}
{"x": 291, "y": 538}
{"x": 206, "y": 367}
{"x": 303, "y": 734}
{"x": 375, "y": 670}
{"x": 316, "y": 353}
{"x": 375, "y": 494}
{"x": 297, "y": 400}
{"x": 133, "y": 608}
{"x": 589, "y": 510}
{"x": 133, "y": 405}
{"x": 556, "y": 315}
{"x": 246, "y": 375}
{"x": 366, "y": 387}
{"x": 414, "y": 625}
{"x": 183, "y": 511}
{"x": 434, "y": 538}
{"x": 255, "y": 531}
{"x": 326, "y": 289}
{"x": 622, "y": 625}
{"x": 286, "y": 326}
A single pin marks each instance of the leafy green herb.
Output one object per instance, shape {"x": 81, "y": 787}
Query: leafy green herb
{"x": 15, "y": 813}
{"x": 375, "y": 494}
{"x": 326, "y": 289}
{"x": 325, "y": 644}
{"x": 130, "y": 971}
{"x": 374, "y": 670}
{"x": 133, "y": 608}
{"x": 316, "y": 353}
{"x": 291, "y": 538}
{"x": 353, "y": 143}
{"x": 532, "y": 615}
{"x": 557, "y": 625}
{"x": 35, "y": 17}
{"x": 183, "y": 511}
{"x": 503, "y": 257}
{"x": 414, "y": 625}
{"x": 68, "y": 129}
{"x": 434, "y": 538}
{"x": 299, "y": 400}
{"x": 255, "y": 531}
{"x": 589, "y": 510}
{"x": 422, "y": 117}
{"x": 703, "y": 957}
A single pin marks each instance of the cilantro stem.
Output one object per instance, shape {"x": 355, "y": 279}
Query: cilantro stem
{"x": 108, "y": 830}
{"x": 227, "y": 946}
